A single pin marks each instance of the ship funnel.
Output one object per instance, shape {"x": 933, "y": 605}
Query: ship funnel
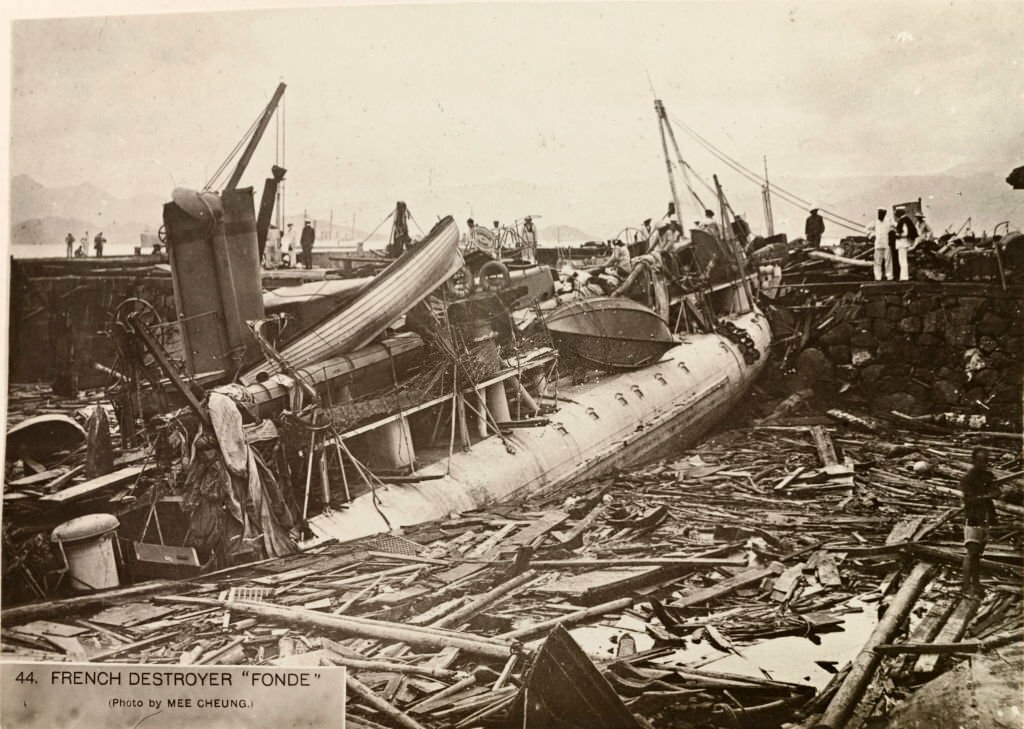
{"x": 215, "y": 269}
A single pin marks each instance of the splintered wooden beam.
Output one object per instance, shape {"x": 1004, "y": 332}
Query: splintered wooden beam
{"x": 826, "y": 449}
{"x": 737, "y": 582}
{"x": 864, "y": 665}
{"x": 97, "y": 484}
{"x": 364, "y": 693}
{"x": 951, "y": 632}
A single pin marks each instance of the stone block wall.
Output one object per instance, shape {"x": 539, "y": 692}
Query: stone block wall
{"x": 921, "y": 348}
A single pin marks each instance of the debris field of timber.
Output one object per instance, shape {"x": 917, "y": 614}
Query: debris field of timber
{"x": 739, "y": 583}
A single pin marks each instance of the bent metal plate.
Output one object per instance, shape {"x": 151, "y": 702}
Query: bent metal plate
{"x": 88, "y": 695}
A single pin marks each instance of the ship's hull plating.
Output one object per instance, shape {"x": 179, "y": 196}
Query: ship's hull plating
{"x": 622, "y": 420}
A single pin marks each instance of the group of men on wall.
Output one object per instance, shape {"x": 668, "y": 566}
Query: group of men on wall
{"x": 83, "y": 246}
{"x": 893, "y": 242}
{"x": 279, "y": 251}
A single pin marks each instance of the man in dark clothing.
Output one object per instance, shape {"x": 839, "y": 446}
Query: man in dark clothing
{"x": 97, "y": 243}
{"x": 306, "y": 241}
{"x": 742, "y": 230}
{"x": 906, "y": 234}
{"x": 814, "y": 228}
{"x": 977, "y": 491}
{"x": 70, "y": 241}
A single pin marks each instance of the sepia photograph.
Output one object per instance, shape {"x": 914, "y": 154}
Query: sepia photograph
{"x": 513, "y": 365}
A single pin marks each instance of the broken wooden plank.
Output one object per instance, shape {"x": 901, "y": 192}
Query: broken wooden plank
{"x": 736, "y": 582}
{"x": 364, "y": 693}
{"x": 823, "y": 443}
{"x": 97, "y": 484}
{"x": 951, "y": 632}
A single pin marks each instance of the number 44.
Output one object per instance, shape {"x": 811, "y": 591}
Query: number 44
{"x": 22, "y": 677}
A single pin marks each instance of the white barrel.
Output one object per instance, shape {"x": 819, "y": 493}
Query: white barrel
{"x": 88, "y": 545}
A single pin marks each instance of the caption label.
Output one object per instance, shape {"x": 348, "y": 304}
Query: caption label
{"x": 114, "y": 695}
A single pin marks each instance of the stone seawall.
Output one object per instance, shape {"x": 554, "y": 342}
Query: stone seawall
{"x": 921, "y": 348}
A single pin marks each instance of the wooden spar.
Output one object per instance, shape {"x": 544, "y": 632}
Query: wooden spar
{"x": 864, "y": 665}
{"x": 390, "y": 667}
{"x": 825, "y": 256}
{"x": 68, "y": 605}
{"x": 639, "y": 562}
{"x": 532, "y": 631}
{"x": 484, "y": 601}
{"x": 726, "y": 240}
{"x": 377, "y": 629}
{"x": 766, "y": 195}
{"x": 662, "y": 123}
{"x": 365, "y": 694}
{"x": 254, "y": 141}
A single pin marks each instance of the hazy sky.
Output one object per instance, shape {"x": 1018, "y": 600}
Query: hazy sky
{"x": 386, "y": 99}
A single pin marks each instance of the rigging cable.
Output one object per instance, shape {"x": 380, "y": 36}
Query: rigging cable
{"x": 231, "y": 155}
{"x": 753, "y": 177}
{"x": 718, "y": 152}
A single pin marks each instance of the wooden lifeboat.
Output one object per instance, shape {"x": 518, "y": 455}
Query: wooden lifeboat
{"x": 610, "y": 332}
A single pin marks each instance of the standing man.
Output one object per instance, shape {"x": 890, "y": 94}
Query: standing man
{"x": 289, "y": 238}
{"x": 710, "y": 225}
{"x": 619, "y": 259}
{"x": 879, "y": 231}
{"x": 645, "y": 232}
{"x": 906, "y": 234}
{"x": 924, "y": 231}
{"x": 529, "y": 241}
{"x": 272, "y": 254}
{"x": 977, "y": 491}
{"x": 70, "y": 241}
{"x": 814, "y": 228}
{"x": 98, "y": 242}
{"x": 83, "y": 243}
{"x": 306, "y": 241}
{"x": 742, "y": 230}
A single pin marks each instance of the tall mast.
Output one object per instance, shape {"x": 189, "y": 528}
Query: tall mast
{"x": 766, "y": 198}
{"x": 729, "y": 241}
{"x": 662, "y": 123}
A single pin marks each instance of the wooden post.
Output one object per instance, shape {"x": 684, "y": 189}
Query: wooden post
{"x": 864, "y": 665}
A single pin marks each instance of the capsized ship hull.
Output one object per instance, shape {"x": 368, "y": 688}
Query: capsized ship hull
{"x": 622, "y": 419}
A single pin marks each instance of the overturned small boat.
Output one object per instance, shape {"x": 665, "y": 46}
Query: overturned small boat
{"x": 611, "y": 332}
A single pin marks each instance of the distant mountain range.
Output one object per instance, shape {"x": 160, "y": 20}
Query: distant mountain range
{"x": 41, "y": 214}
{"x": 554, "y": 234}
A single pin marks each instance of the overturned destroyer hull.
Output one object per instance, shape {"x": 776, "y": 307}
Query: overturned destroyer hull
{"x": 621, "y": 420}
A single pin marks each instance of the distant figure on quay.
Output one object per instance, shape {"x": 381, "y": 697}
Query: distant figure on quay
{"x": 529, "y": 240}
{"x": 98, "y": 242}
{"x": 306, "y": 241}
{"x": 70, "y": 241}
{"x": 879, "y": 231}
{"x": 814, "y": 228}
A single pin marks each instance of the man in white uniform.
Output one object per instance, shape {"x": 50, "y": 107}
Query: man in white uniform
{"x": 879, "y": 231}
